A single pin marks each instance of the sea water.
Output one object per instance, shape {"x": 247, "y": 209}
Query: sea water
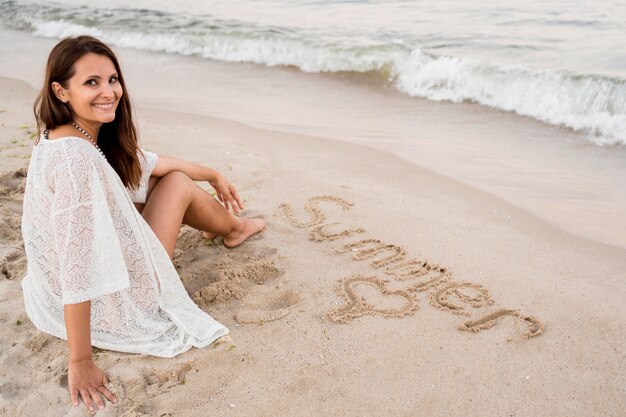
{"x": 562, "y": 62}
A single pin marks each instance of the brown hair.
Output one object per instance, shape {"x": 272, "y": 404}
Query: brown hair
{"x": 120, "y": 144}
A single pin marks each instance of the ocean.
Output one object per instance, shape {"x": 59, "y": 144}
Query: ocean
{"x": 524, "y": 100}
{"x": 561, "y": 62}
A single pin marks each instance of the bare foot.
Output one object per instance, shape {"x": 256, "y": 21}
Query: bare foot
{"x": 209, "y": 235}
{"x": 247, "y": 228}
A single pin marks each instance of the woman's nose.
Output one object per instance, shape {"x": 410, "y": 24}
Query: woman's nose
{"x": 106, "y": 90}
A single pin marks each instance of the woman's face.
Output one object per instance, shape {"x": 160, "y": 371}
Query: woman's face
{"x": 94, "y": 91}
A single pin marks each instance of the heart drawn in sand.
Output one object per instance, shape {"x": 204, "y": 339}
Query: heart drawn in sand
{"x": 356, "y": 304}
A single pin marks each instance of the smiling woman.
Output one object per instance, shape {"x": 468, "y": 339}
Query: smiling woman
{"x": 99, "y": 267}
{"x": 96, "y": 98}
{"x": 84, "y": 85}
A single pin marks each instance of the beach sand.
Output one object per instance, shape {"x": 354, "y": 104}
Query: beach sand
{"x": 378, "y": 289}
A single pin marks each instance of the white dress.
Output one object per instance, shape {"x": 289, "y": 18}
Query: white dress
{"x": 85, "y": 240}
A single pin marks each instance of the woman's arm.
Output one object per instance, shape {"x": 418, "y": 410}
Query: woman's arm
{"x": 226, "y": 192}
{"x": 77, "y": 323}
{"x": 166, "y": 164}
{"x": 84, "y": 377}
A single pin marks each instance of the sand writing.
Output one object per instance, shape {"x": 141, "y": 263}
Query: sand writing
{"x": 357, "y": 306}
{"x": 312, "y": 207}
{"x": 320, "y": 233}
{"x": 418, "y": 275}
{"x": 535, "y": 326}
{"x": 369, "y": 248}
{"x": 440, "y": 298}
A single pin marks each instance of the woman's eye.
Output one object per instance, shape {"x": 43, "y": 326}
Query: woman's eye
{"x": 91, "y": 83}
{"x": 113, "y": 80}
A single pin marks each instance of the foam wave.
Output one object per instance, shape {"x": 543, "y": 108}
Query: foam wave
{"x": 270, "y": 50}
{"x": 589, "y": 103}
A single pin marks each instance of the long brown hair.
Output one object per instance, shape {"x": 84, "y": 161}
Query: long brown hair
{"x": 120, "y": 144}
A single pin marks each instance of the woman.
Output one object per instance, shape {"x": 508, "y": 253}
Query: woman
{"x": 100, "y": 222}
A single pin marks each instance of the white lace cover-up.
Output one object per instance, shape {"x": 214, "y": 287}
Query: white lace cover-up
{"x": 85, "y": 240}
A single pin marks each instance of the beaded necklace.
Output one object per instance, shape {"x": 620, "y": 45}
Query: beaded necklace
{"x": 45, "y": 135}
{"x": 81, "y": 130}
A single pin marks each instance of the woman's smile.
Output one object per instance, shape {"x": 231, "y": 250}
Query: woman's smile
{"x": 105, "y": 106}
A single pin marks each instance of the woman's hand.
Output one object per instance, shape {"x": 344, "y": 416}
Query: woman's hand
{"x": 87, "y": 380}
{"x": 226, "y": 193}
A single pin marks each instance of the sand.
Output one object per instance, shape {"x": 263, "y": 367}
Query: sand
{"x": 378, "y": 289}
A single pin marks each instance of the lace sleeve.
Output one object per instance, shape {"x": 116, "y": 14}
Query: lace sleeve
{"x": 148, "y": 162}
{"x": 91, "y": 263}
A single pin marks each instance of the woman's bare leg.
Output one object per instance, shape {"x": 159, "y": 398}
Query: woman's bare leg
{"x": 207, "y": 214}
{"x": 175, "y": 199}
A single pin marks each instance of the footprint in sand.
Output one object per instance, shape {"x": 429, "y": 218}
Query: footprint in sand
{"x": 213, "y": 274}
{"x": 535, "y": 326}
{"x": 232, "y": 278}
{"x": 357, "y": 305}
{"x": 259, "y": 271}
{"x": 38, "y": 341}
{"x": 236, "y": 281}
{"x": 162, "y": 379}
{"x": 268, "y": 307}
{"x": 316, "y": 214}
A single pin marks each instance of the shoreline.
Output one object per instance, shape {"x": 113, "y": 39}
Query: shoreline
{"x": 306, "y": 139}
{"x": 551, "y": 172}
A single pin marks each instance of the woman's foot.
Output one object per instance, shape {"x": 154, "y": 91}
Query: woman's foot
{"x": 247, "y": 228}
